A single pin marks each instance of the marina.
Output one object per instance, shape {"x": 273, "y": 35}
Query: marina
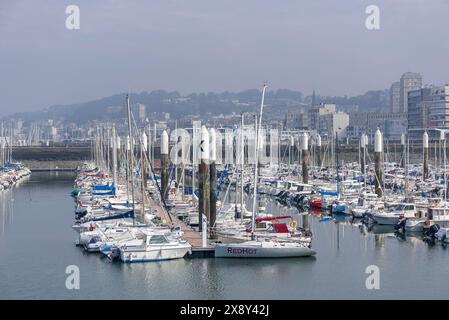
{"x": 151, "y": 211}
{"x": 12, "y": 174}
{"x": 324, "y": 218}
{"x": 36, "y": 261}
{"x": 225, "y": 154}
{"x": 289, "y": 211}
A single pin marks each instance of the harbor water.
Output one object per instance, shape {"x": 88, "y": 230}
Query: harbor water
{"x": 37, "y": 245}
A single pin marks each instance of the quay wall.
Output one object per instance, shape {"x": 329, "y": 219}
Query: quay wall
{"x": 51, "y": 158}
{"x": 64, "y": 165}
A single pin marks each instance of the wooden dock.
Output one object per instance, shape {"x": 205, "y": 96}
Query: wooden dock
{"x": 192, "y": 236}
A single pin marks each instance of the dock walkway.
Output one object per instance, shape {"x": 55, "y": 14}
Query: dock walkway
{"x": 192, "y": 236}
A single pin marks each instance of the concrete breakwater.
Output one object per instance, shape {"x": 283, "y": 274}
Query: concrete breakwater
{"x": 51, "y": 153}
{"x": 63, "y": 165}
{"x": 51, "y": 158}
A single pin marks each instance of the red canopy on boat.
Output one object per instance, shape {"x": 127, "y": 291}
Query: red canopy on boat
{"x": 281, "y": 227}
{"x": 273, "y": 218}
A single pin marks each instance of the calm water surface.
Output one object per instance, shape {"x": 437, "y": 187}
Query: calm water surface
{"x": 37, "y": 244}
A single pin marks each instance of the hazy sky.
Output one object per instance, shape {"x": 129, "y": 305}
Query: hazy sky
{"x": 214, "y": 45}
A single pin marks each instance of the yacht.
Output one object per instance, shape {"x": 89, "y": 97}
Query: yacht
{"x": 391, "y": 215}
{"x": 438, "y": 215}
{"x": 155, "y": 247}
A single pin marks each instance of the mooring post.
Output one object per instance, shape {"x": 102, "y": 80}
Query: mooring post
{"x": 378, "y": 151}
{"x": 403, "y": 151}
{"x": 425, "y": 144}
{"x": 203, "y": 225}
{"x": 164, "y": 164}
{"x": 318, "y": 151}
{"x": 204, "y": 205}
{"x": 213, "y": 179}
{"x": 362, "y": 153}
{"x": 305, "y": 157}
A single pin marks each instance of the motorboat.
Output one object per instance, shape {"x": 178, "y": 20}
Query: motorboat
{"x": 439, "y": 215}
{"x": 392, "y": 214}
{"x": 155, "y": 247}
{"x": 366, "y": 201}
{"x": 442, "y": 235}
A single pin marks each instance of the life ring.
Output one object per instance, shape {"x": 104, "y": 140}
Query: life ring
{"x": 293, "y": 224}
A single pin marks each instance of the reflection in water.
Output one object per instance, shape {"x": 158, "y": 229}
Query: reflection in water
{"x": 6, "y": 209}
{"x": 7, "y": 201}
{"x": 32, "y": 262}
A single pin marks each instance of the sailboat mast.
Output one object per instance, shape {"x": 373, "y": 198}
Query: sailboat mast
{"x": 142, "y": 172}
{"x": 337, "y": 167}
{"x": 445, "y": 175}
{"x": 114, "y": 155}
{"x": 253, "y": 222}
{"x": 242, "y": 162}
{"x": 131, "y": 155}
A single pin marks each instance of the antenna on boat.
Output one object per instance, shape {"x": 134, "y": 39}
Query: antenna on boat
{"x": 258, "y": 125}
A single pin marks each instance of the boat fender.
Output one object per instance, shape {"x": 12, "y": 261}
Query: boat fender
{"x": 400, "y": 225}
{"x": 294, "y": 224}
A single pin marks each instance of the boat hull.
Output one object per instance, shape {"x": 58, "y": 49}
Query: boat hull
{"x": 414, "y": 226}
{"x": 386, "y": 220}
{"x": 245, "y": 251}
{"x": 358, "y": 212}
{"x": 154, "y": 254}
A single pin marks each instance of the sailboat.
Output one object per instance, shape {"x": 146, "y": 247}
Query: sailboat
{"x": 262, "y": 247}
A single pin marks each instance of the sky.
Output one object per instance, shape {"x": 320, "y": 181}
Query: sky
{"x": 214, "y": 45}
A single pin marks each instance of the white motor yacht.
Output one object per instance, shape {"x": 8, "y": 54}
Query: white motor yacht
{"x": 155, "y": 247}
{"x": 391, "y": 215}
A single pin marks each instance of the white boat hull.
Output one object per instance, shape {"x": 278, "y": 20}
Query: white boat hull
{"x": 252, "y": 250}
{"x": 154, "y": 253}
{"x": 386, "y": 220}
{"x": 414, "y": 226}
{"x": 358, "y": 212}
{"x": 443, "y": 235}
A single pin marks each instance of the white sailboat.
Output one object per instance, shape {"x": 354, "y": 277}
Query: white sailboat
{"x": 260, "y": 247}
{"x": 268, "y": 248}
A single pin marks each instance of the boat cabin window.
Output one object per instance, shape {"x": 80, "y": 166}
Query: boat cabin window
{"x": 158, "y": 239}
{"x": 403, "y": 207}
{"x": 261, "y": 225}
